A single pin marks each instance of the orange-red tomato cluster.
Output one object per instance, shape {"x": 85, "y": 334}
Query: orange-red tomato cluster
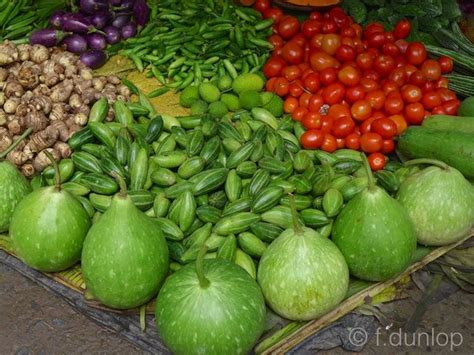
{"x": 373, "y": 81}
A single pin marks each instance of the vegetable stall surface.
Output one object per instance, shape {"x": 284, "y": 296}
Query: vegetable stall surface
{"x": 439, "y": 201}
{"x": 49, "y": 239}
{"x": 302, "y": 274}
{"x": 191, "y": 42}
{"x": 375, "y": 234}
{"x": 125, "y": 258}
{"x": 210, "y": 307}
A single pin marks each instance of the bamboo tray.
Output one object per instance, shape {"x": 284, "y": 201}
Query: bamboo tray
{"x": 276, "y": 342}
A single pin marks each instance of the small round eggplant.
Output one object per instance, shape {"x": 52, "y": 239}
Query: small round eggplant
{"x": 76, "y": 44}
{"x": 48, "y": 37}
{"x": 129, "y": 30}
{"x": 55, "y": 19}
{"x": 141, "y": 12}
{"x": 92, "y": 6}
{"x": 112, "y": 34}
{"x": 96, "y": 41}
{"x": 93, "y": 59}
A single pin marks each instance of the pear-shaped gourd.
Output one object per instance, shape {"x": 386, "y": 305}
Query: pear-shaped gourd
{"x": 125, "y": 256}
{"x": 13, "y": 186}
{"x": 48, "y": 227}
{"x": 375, "y": 234}
{"x": 440, "y": 202}
{"x": 302, "y": 274}
{"x": 213, "y": 307}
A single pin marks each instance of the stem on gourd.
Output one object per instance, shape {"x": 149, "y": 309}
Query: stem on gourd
{"x": 203, "y": 281}
{"x": 370, "y": 175}
{"x": 294, "y": 215}
{"x": 434, "y": 162}
{"x": 122, "y": 184}
{"x": 57, "y": 173}
{"x": 15, "y": 144}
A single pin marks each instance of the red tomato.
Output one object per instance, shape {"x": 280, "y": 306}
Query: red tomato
{"x": 393, "y": 105}
{"x": 376, "y": 99}
{"x": 339, "y": 110}
{"x": 361, "y": 110}
{"x": 329, "y": 143}
{"x": 333, "y": 93}
{"x": 326, "y": 123}
{"x": 270, "y": 84}
{"x": 290, "y": 104}
{"x": 417, "y": 78}
{"x": 312, "y": 120}
{"x": 292, "y": 72}
{"x": 311, "y": 27}
{"x": 376, "y": 161}
{"x": 438, "y": 110}
{"x": 369, "y": 84}
{"x": 416, "y": 53}
{"x": 345, "y": 53}
{"x": 446, "y": 94}
{"x": 415, "y": 113}
{"x": 296, "y": 88}
{"x": 348, "y": 32}
{"x": 299, "y": 113}
{"x": 328, "y": 76}
{"x": 274, "y": 13}
{"x": 329, "y": 26}
{"x": 282, "y": 87}
{"x": 442, "y": 82}
{"x": 339, "y": 16}
{"x": 352, "y": 141}
{"x": 354, "y": 93}
{"x": 388, "y": 146}
{"x": 316, "y": 15}
{"x": 349, "y": 76}
{"x": 411, "y": 93}
{"x": 390, "y": 49}
{"x": 446, "y": 64}
{"x": 299, "y": 39}
{"x": 402, "y": 45}
{"x": 288, "y": 27}
{"x": 431, "y": 69}
{"x": 276, "y": 41}
{"x": 261, "y": 5}
{"x": 293, "y": 53}
{"x": 451, "y": 107}
{"x": 304, "y": 99}
{"x": 371, "y": 142}
{"x": 376, "y": 40}
{"x": 312, "y": 139}
{"x": 342, "y": 127}
{"x": 431, "y": 99}
{"x": 371, "y": 74}
{"x": 389, "y": 37}
{"x": 365, "y": 61}
{"x": 385, "y": 127}
{"x": 274, "y": 66}
{"x": 428, "y": 86}
{"x": 384, "y": 65}
{"x": 389, "y": 86}
{"x": 331, "y": 43}
{"x": 402, "y": 29}
{"x": 315, "y": 103}
{"x": 321, "y": 60}
{"x": 311, "y": 82}
{"x": 398, "y": 75}
{"x": 409, "y": 69}
{"x": 366, "y": 125}
{"x": 374, "y": 27}
{"x": 400, "y": 122}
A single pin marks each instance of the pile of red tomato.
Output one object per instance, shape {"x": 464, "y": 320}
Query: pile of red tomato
{"x": 353, "y": 87}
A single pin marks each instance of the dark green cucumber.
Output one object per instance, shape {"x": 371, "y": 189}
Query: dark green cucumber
{"x": 450, "y": 123}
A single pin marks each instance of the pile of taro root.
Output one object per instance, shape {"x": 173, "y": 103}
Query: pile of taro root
{"x": 51, "y": 91}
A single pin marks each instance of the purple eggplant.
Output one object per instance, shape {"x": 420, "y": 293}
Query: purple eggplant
{"x": 92, "y": 6}
{"x": 76, "y": 23}
{"x": 76, "y": 44}
{"x": 48, "y": 37}
{"x": 55, "y": 19}
{"x": 129, "y": 30}
{"x": 100, "y": 19}
{"x": 96, "y": 41}
{"x": 141, "y": 12}
{"x": 126, "y": 5}
{"x": 112, "y": 34}
{"x": 115, "y": 2}
{"x": 120, "y": 21}
{"x": 93, "y": 59}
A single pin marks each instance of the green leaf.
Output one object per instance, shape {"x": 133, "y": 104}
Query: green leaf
{"x": 433, "y": 10}
{"x": 357, "y": 9}
{"x": 375, "y": 2}
{"x": 410, "y": 10}
{"x": 450, "y": 9}
{"x": 429, "y": 24}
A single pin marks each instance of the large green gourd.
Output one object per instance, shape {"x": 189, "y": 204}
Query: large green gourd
{"x": 125, "y": 256}
{"x": 48, "y": 228}
{"x": 13, "y": 186}
{"x": 440, "y": 202}
{"x": 375, "y": 234}
{"x": 213, "y": 307}
{"x": 302, "y": 274}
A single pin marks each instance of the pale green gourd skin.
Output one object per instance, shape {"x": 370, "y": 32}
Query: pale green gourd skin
{"x": 227, "y": 317}
{"x": 13, "y": 187}
{"x": 375, "y": 234}
{"x": 48, "y": 229}
{"x": 440, "y": 203}
{"x": 303, "y": 276}
{"x": 125, "y": 256}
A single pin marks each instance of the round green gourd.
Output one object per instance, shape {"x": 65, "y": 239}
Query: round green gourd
{"x": 302, "y": 275}
{"x": 213, "y": 307}
{"x": 375, "y": 234}
{"x": 440, "y": 202}
{"x": 125, "y": 256}
{"x": 48, "y": 228}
